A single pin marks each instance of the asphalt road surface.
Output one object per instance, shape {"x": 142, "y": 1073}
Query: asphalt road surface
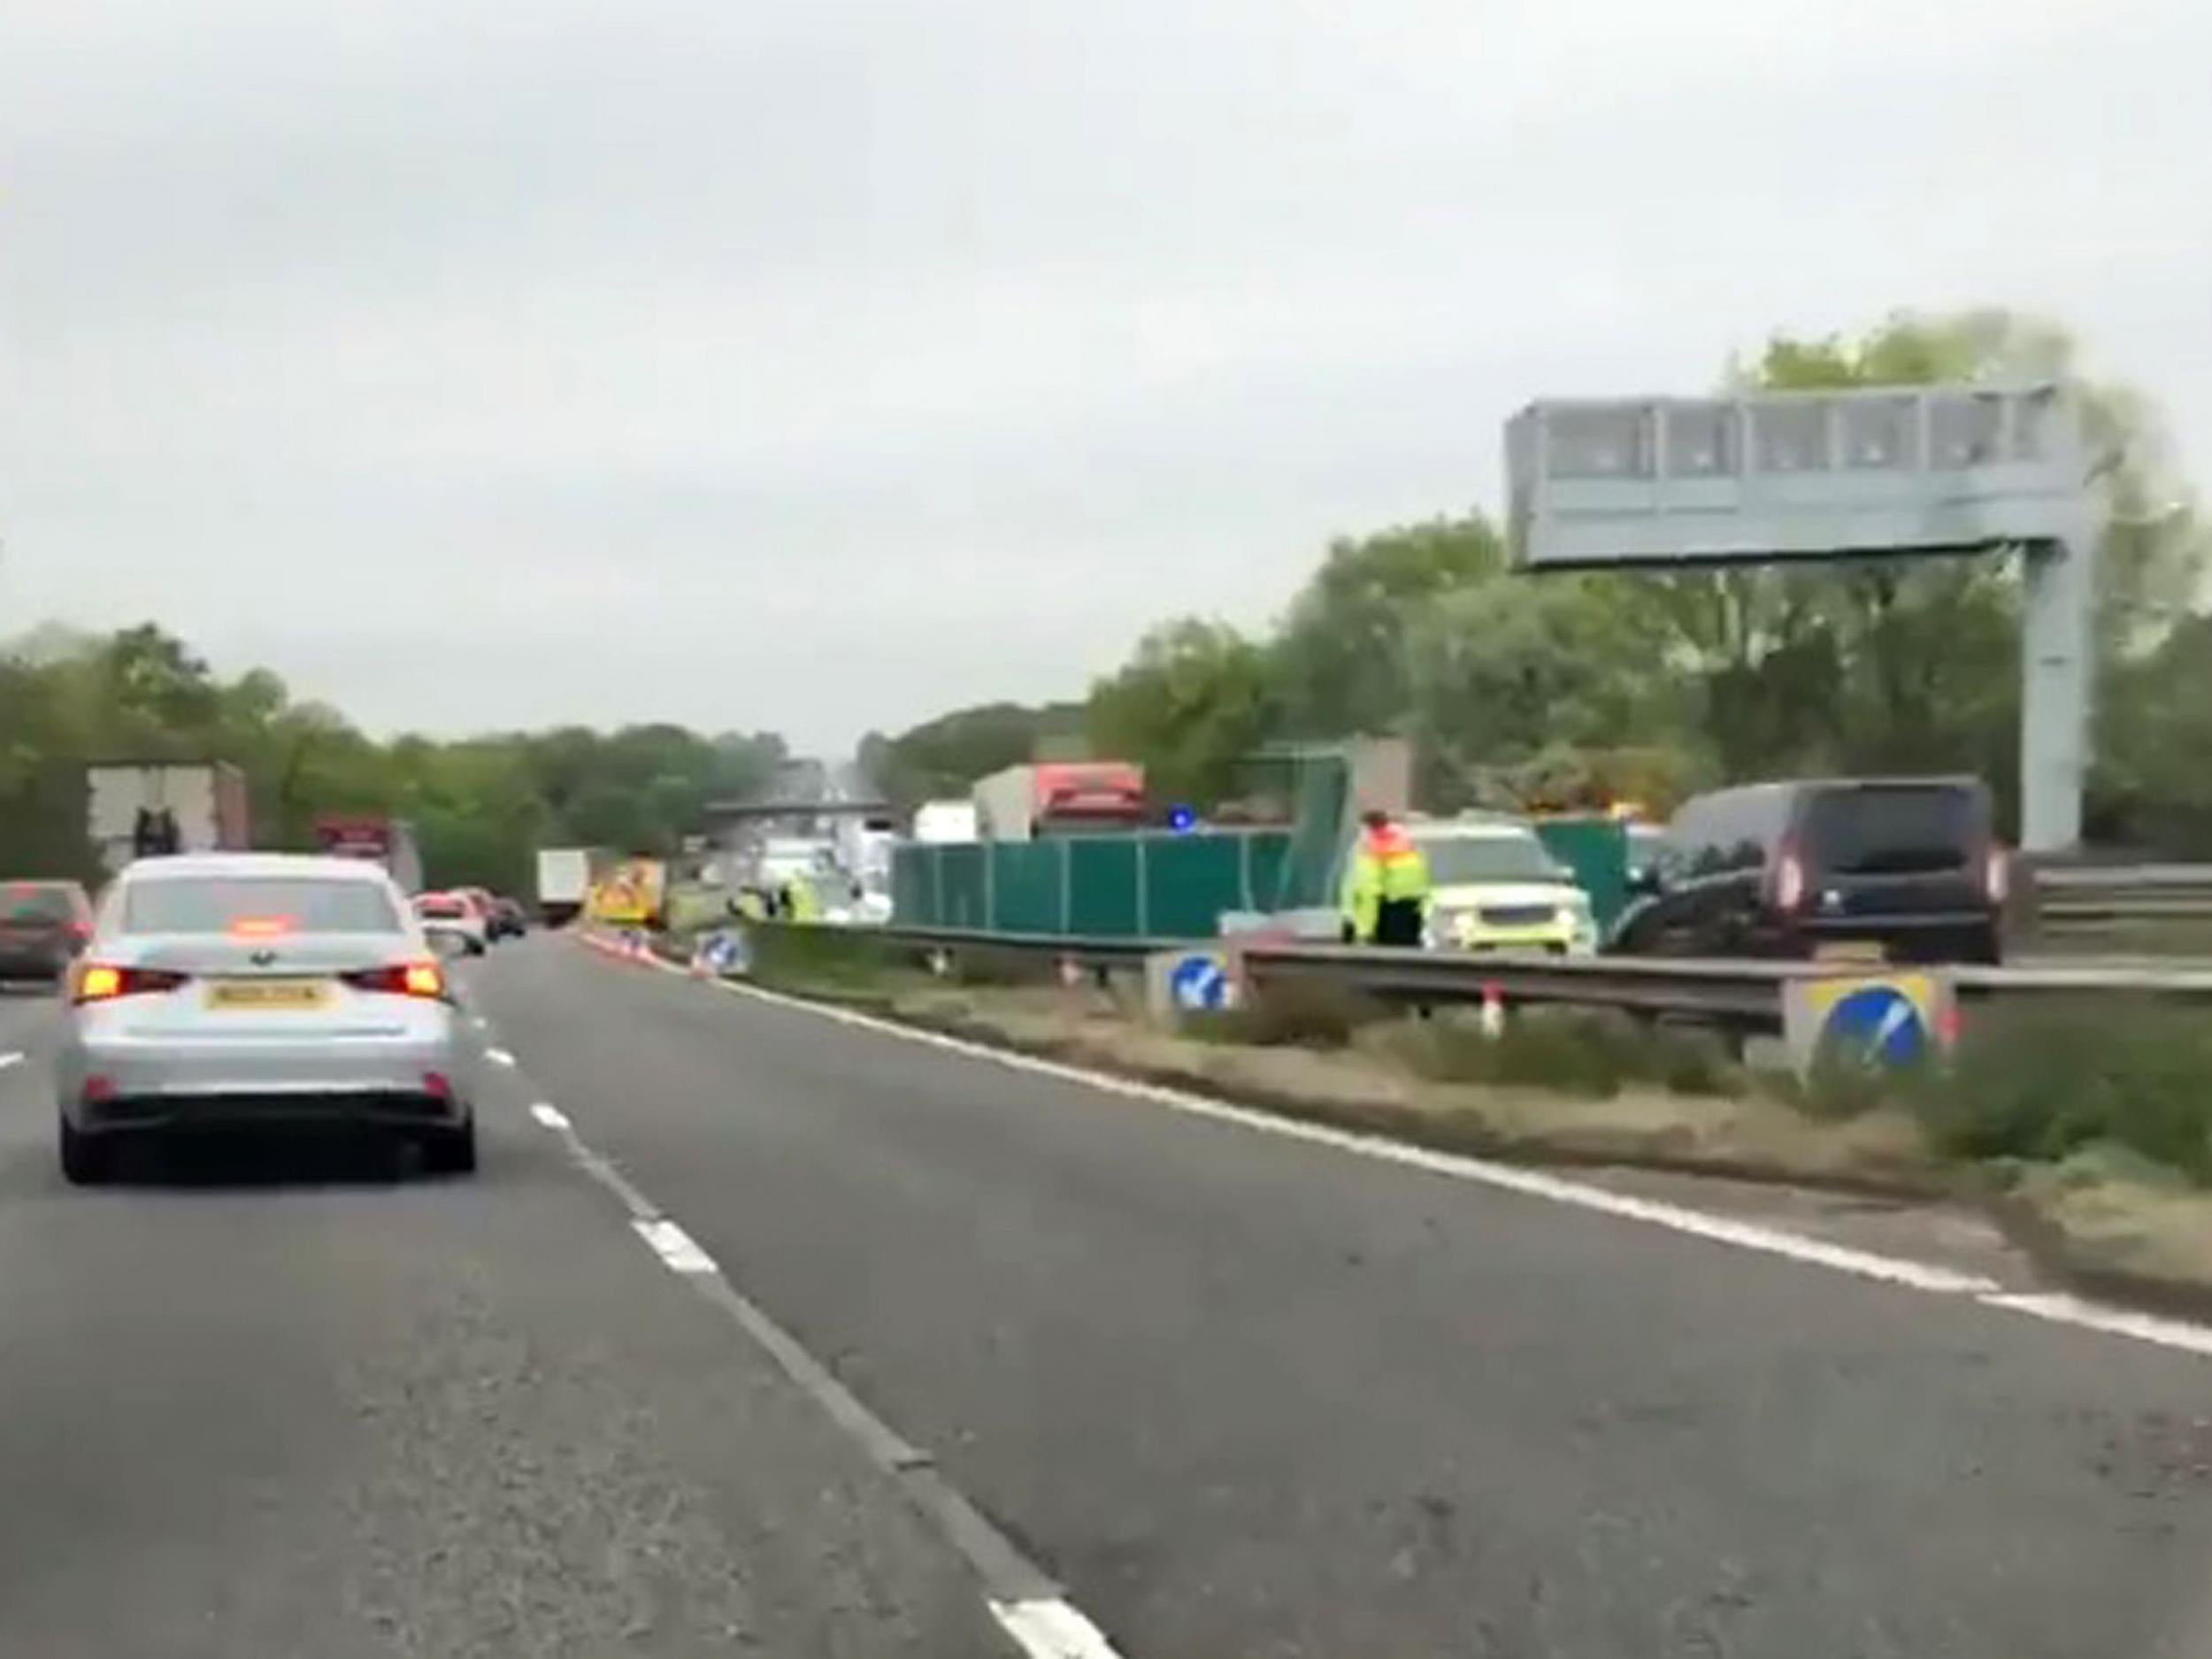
{"x": 1239, "y": 1393}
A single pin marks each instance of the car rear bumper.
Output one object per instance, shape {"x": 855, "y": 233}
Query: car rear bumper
{"x": 109, "y": 1081}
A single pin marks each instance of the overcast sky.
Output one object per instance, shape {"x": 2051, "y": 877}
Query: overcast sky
{"x": 826, "y": 364}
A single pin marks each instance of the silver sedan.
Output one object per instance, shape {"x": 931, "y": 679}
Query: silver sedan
{"x": 250, "y": 988}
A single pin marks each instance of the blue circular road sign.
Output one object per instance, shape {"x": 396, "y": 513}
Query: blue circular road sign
{"x": 1199, "y": 982}
{"x": 1877, "y": 1025}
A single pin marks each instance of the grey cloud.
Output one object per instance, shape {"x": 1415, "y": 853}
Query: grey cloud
{"x": 821, "y": 365}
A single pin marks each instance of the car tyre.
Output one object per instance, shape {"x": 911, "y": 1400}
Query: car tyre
{"x": 86, "y": 1160}
{"x": 451, "y": 1151}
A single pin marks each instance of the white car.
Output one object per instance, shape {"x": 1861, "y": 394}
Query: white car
{"x": 457, "y": 914}
{"x": 1495, "y": 887}
{"x": 247, "y": 989}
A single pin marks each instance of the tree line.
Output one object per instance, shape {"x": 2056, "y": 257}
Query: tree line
{"x": 480, "y": 806}
{"x": 1561, "y": 691}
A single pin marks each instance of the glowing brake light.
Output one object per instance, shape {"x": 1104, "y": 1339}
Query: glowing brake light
{"x": 406, "y": 978}
{"x": 103, "y": 983}
{"x": 260, "y": 926}
{"x": 1996, "y": 875}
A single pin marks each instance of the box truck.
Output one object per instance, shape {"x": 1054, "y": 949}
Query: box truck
{"x": 564, "y": 883}
{"x": 136, "y": 808}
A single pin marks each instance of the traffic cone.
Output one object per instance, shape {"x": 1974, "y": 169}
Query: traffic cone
{"x": 1493, "y": 1011}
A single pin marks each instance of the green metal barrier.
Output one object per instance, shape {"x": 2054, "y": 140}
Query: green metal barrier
{"x": 1097, "y": 886}
{"x": 1595, "y": 848}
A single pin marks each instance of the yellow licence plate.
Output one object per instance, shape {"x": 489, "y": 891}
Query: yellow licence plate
{"x": 269, "y": 995}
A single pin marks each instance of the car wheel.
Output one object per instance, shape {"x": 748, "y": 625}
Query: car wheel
{"x": 451, "y": 1151}
{"x": 86, "y": 1160}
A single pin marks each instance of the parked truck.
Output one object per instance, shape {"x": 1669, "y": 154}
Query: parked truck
{"x": 564, "y": 883}
{"x": 389, "y": 841}
{"x": 1059, "y": 798}
{"x": 134, "y": 809}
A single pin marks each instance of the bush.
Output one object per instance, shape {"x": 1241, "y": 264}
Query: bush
{"x": 801, "y": 954}
{"x": 2044, "y": 1081}
{"x": 1294, "y": 1013}
{"x": 1839, "y": 1087}
{"x": 1578, "y": 1051}
{"x": 1690, "y": 1060}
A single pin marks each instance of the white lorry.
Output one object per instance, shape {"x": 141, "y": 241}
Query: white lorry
{"x": 134, "y": 809}
{"x": 564, "y": 883}
{"x": 937, "y": 823}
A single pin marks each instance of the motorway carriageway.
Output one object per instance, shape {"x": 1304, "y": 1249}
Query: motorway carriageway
{"x": 767, "y": 1332}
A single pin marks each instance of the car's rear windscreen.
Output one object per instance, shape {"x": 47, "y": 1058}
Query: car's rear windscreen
{"x": 28, "y": 904}
{"x": 1895, "y": 829}
{"x": 273, "y": 904}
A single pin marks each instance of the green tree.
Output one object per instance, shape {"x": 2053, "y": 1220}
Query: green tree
{"x": 1342, "y": 655}
{"x": 1195, "y": 699}
{"x": 944, "y": 756}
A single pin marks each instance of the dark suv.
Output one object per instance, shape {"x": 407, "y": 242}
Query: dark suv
{"x": 43, "y": 925}
{"x": 1906, "y": 868}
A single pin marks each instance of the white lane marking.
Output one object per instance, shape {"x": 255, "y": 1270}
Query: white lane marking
{"x": 1533, "y": 1183}
{"x": 480, "y": 1022}
{"x": 2054, "y": 1308}
{"x": 499, "y": 1056}
{"x": 14, "y": 1056}
{"x": 1017, "y": 1593}
{"x": 2060, "y": 1309}
{"x": 1052, "y": 1629}
{"x": 549, "y": 1114}
{"x": 675, "y": 1247}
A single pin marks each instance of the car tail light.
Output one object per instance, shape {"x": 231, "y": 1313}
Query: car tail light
{"x": 1788, "y": 889}
{"x": 103, "y": 983}
{"x": 401, "y": 978}
{"x": 1996, "y": 876}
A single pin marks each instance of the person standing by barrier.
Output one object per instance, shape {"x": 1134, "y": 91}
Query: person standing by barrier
{"x": 1386, "y": 895}
{"x": 802, "y": 904}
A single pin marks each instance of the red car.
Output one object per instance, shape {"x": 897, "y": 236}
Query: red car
{"x": 43, "y": 925}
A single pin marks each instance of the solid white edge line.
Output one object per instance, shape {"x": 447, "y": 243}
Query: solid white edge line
{"x": 1513, "y": 1178}
{"x": 2060, "y": 1309}
{"x": 2055, "y": 1308}
{"x": 549, "y": 1114}
{"x": 1052, "y": 1629}
{"x": 674, "y": 1246}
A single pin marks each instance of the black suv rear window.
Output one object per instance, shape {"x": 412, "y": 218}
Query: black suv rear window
{"x": 1894, "y": 829}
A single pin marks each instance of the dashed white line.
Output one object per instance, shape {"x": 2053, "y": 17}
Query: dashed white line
{"x": 14, "y": 1056}
{"x": 499, "y": 1056}
{"x": 1051, "y": 1628}
{"x": 675, "y": 1247}
{"x": 549, "y": 1115}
